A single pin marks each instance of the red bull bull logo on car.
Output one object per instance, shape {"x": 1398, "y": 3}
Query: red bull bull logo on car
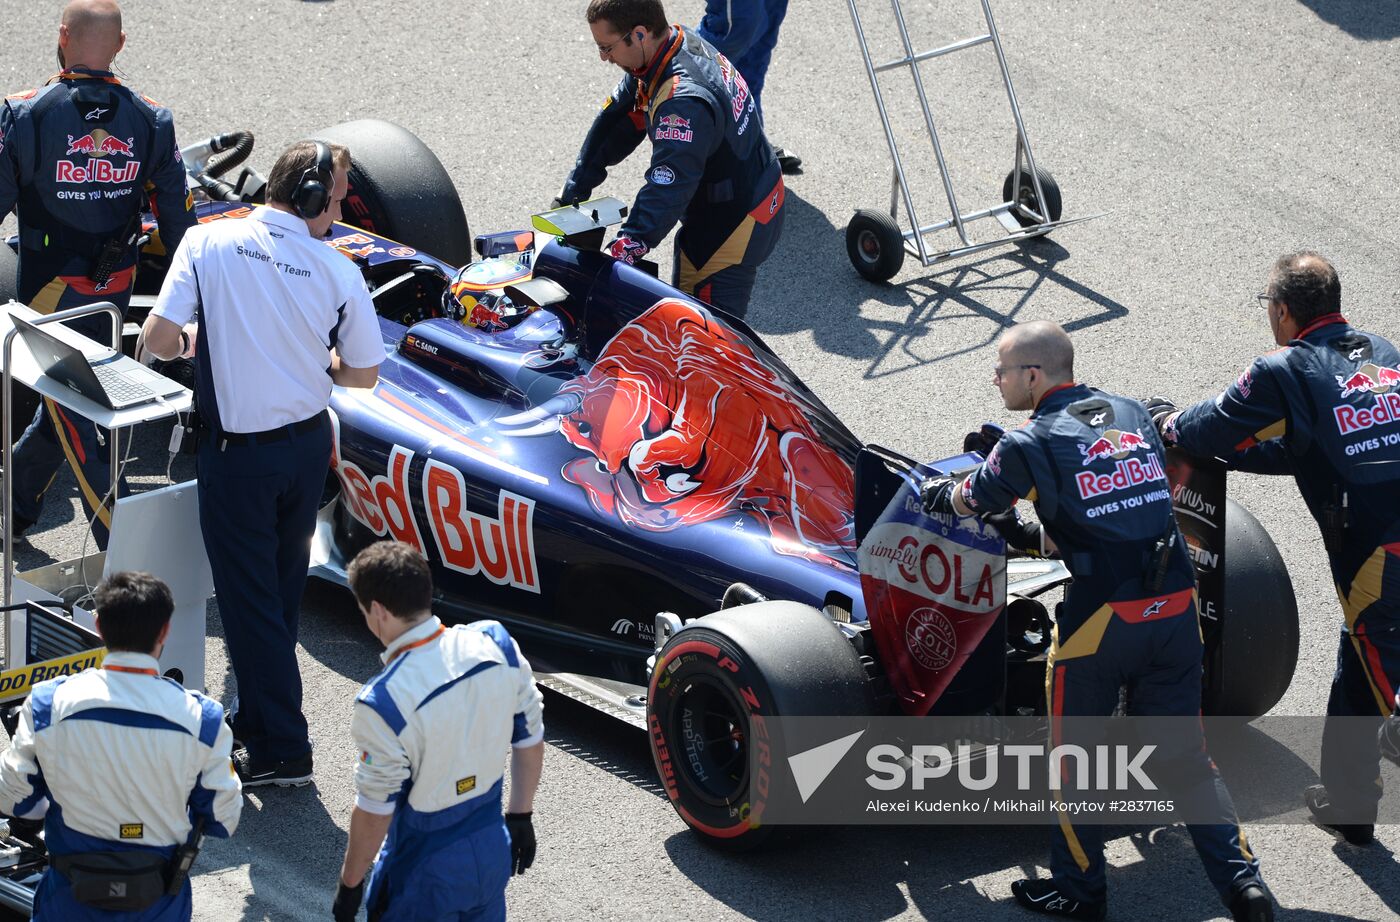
{"x": 1112, "y": 444}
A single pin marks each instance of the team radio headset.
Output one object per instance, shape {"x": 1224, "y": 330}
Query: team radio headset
{"x": 312, "y": 196}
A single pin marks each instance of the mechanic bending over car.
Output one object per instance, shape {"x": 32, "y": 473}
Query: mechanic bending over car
{"x": 127, "y": 769}
{"x": 1326, "y": 409}
{"x": 433, "y": 729}
{"x": 79, "y": 156}
{"x": 1129, "y": 617}
{"x": 746, "y": 34}
{"x": 282, "y": 317}
{"x": 711, "y": 167}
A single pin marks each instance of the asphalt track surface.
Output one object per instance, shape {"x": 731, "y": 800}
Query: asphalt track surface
{"x": 1216, "y": 136}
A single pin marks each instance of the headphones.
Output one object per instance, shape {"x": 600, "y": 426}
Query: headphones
{"x": 312, "y": 196}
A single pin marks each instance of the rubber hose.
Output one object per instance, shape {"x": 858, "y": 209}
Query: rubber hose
{"x": 230, "y": 150}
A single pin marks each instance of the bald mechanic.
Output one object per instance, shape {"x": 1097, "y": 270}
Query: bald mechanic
{"x": 1325, "y": 408}
{"x": 711, "y": 168}
{"x": 1129, "y": 616}
{"x": 79, "y": 156}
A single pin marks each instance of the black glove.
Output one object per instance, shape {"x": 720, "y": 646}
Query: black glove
{"x": 1389, "y": 735}
{"x": 1160, "y": 409}
{"x": 1020, "y": 534}
{"x": 522, "y": 841}
{"x": 347, "y": 901}
{"x": 936, "y": 494}
{"x": 984, "y": 439}
{"x": 556, "y": 203}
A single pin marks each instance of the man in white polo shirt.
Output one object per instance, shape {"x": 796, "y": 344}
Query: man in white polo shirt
{"x": 282, "y": 317}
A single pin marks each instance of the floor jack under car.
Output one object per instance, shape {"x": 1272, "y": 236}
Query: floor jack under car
{"x": 41, "y": 643}
{"x": 1031, "y": 203}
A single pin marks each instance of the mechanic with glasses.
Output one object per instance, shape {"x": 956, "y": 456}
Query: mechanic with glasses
{"x": 126, "y": 768}
{"x": 432, "y": 732}
{"x": 1093, "y": 466}
{"x": 712, "y": 169}
{"x": 79, "y": 156}
{"x": 1325, "y": 408}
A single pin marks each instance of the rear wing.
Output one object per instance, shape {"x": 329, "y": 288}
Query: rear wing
{"x": 42, "y": 643}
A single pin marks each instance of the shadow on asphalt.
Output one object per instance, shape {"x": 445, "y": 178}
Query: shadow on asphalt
{"x": 1363, "y": 19}
{"x": 827, "y": 303}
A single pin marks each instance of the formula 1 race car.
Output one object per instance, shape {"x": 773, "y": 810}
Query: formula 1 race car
{"x": 673, "y": 525}
{"x": 682, "y": 535}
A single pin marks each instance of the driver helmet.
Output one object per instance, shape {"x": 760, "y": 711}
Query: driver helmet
{"x": 476, "y": 295}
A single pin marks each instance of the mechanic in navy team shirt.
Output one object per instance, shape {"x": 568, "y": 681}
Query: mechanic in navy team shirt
{"x": 711, "y": 167}
{"x": 432, "y": 732}
{"x": 1325, "y": 408}
{"x": 746, "y": 33}
{"x": 120, "y": 763}
{"x": 282, "y": 317}
{"x": 1093, "y": 466}
{"x": 79, "y": 156}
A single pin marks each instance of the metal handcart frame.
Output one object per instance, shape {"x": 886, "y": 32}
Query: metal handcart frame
{"x": 1031, "y": 203}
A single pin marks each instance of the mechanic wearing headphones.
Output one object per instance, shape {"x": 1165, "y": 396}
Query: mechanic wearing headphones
{"x": 79, "y": 156}
{"x": 432, "y": 730}
{"x": 282, "y": 318}
{"x": 711, "y": 168}
{"x": 1326, "y": 409}
{"x": 1129, "y": 617}
{"x": 127, "y": 769}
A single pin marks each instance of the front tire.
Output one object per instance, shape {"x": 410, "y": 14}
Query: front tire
{"x": 716, "y": 685}
{"x": 400, "y": 190}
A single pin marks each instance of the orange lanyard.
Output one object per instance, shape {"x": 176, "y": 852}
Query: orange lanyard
{"x": 417, "y": 643}
{"x": 135, "y": 670}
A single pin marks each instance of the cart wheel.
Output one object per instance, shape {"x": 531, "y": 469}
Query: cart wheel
{"x": 1047, "y": 185}
{"x": 875, "y": 245}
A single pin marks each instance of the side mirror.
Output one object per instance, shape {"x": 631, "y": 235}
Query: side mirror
{"x": 503, "y": 244}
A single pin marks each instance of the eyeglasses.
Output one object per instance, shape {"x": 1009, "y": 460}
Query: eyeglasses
{"x": 1264, "y": 299}
{"x": 626, "y": 39}
{"x": 999, "y": 371}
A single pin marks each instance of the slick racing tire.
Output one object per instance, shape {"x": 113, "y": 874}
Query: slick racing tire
{"x": 24, "y": 401}
{"x": 1053, "y": 204}
{"x": 875, "y": 245}
{"x": 1250, "y": 659}
{"x": 714, "y": 692}
{"x": 399, "y": 189}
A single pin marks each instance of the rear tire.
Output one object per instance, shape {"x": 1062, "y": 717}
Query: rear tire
{"x": 716, "y": 681}
{"x": 875, "y": 245}
{"x": 399, "y": 189}
{"x": 1251, "y": 658}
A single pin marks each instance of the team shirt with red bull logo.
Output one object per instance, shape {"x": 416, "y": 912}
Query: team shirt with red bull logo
{"x": 76, "y": 156}
{"x": 710, "y": 163}
{"x": 1326, "y": 409}
{"x": 1093, "y": 465}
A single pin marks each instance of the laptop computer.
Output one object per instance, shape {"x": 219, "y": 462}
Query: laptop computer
{"x": 116, "y": 382}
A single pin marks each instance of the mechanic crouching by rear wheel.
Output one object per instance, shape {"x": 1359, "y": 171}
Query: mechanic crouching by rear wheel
{"x": 432, "y": 732}
{"x": 1326, "y": 409}
{"x": 282, "y": 317}
{"x": 1092, "y": 464}
{"x": 127, "y": 769}
{"x": 79, "y": 156}
{"x": 711, "y": 167}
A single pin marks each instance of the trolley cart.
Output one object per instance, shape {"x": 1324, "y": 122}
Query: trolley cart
{"x": 1030, "y": 204}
